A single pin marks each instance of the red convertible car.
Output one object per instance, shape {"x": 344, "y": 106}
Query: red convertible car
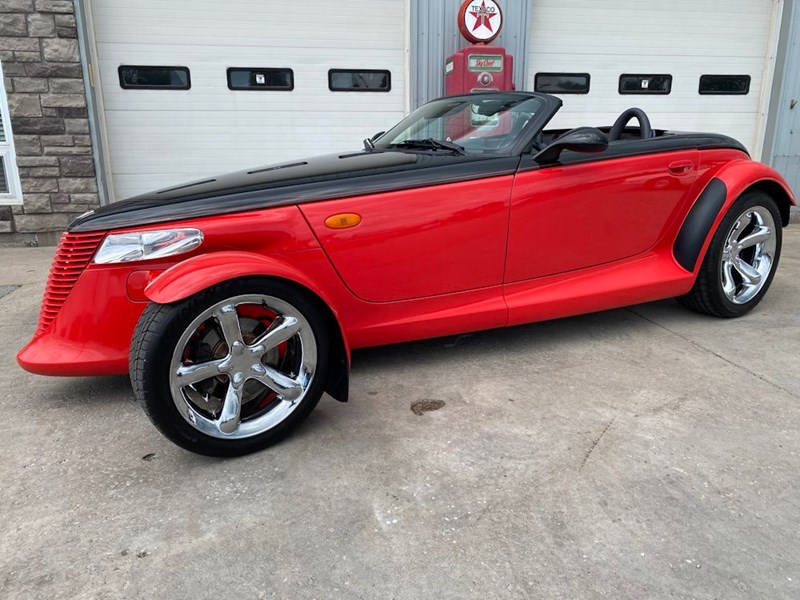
{"x": 234, "y": 301}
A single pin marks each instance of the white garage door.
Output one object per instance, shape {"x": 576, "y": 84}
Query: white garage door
{"x": 682, "y": 38}
{"x": 162, "y": 137}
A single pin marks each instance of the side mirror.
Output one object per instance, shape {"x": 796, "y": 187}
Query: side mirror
{"x": 582, "y": 139}
{"x": 369, "y": 143}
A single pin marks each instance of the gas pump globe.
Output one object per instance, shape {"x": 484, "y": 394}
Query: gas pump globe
{"x": 479, "y": 67}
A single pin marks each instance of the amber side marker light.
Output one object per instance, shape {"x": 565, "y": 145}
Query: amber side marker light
{"x": 343, "y": 221}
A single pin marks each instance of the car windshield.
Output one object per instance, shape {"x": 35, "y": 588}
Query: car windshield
{"x": 467, "y": 125}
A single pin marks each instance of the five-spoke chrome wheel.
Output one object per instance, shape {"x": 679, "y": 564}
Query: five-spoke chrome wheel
{"x": 234, "y": 368}
{"x": 748, "y": 254}
{"x": 741, "y": 259}
{"x": 242, "y": 366}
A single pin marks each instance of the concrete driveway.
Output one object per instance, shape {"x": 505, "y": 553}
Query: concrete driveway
{"x": 641, "y": 453}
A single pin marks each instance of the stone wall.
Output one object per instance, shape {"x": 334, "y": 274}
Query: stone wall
{"x": 47, "y": 103}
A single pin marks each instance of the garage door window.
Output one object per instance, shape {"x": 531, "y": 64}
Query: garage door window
{"x": 154, "y": 78}
{"x": 725, "y": 85}
{"x": 562, "y": 83}
{"x": 240, "y": 78}
{"x": 645, "y": 84}
{"x": 10, "y": 192}
{"x": 363, "y": 80}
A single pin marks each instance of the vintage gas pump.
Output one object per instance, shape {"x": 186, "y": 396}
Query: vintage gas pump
{"x": 479, "y": 67}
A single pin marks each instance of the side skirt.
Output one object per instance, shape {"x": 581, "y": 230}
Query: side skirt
{"x": 645, "y": 278}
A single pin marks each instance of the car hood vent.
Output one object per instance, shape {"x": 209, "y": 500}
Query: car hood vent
{"x": 278, "y": 167}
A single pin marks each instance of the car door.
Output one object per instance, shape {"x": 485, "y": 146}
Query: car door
{"x": 595, "y": 211}
{"x": 419, "y": 242}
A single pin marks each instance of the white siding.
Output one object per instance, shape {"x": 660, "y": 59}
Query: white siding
{"x": 684, "y": 38}
{"x": 163, "y": 137}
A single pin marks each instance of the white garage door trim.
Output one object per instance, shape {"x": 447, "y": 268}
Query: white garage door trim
{"x": 759, "y": 151}
{"x": 85, "y": 22}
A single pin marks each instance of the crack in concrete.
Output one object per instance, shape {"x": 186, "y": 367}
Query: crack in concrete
{"x": 596, "y": 441}
{"x": 719, "y": 356}
{"x": 5, "y": 290}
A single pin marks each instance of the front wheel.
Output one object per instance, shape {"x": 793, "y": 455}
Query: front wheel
{"x": 232, "y": 369}
{"x": 741, "y": 260}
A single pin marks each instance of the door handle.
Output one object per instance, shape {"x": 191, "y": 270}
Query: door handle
{"x": 681, "y": 167}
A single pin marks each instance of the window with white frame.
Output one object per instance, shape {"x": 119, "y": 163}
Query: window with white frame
{"x": 10, "y": 192}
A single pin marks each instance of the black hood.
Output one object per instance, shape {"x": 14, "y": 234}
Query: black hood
{"x": 309, "y": 180}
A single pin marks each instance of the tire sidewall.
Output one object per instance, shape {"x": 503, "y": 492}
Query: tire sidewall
{"x": 157, "y": 351}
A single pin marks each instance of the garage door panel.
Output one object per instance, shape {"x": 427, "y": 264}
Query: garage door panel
{"x": 663, "y": 104}
{"x": 652, "y": 37}
{"x": 706, "y": 104}
{"x": 206, "y": 152}
{"x": 324, "y": 24}
{"x": 646, "y": 46}
{"x": 160, "y": 138}
{"x": 696, "y": 63}
{"x": 174, "y": 148}
{"x": 683, "y": 38}
{"x": 132, "y": 184}
{"x": 251, "y": 123}
{"x": 371, "y": 40}
{"x": 687, "y": 11}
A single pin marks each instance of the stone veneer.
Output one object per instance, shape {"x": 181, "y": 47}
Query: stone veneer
{"x": 49, "y": 120}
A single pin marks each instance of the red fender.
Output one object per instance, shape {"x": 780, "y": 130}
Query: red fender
{"x": 711, "y": 205}
{"x": 739, "y": 175}
{"x": 201, "y": 272}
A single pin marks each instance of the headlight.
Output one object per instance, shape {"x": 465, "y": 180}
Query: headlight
{"x": 146, "y": 245}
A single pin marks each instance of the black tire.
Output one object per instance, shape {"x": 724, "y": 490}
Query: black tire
{"x": 153, "y": 348}
{"x": 707, "y": 295}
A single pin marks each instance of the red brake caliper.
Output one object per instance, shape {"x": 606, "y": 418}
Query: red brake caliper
{"x": 266, "y": 318}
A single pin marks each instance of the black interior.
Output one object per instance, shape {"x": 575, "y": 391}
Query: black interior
{"x": 620, "y": 131}
{"x": 634, "y": 140}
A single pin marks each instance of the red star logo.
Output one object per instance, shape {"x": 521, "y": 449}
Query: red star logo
{"x": 482, "y": 17}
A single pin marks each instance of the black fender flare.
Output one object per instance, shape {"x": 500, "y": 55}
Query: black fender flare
{"x": 695, "y": 229}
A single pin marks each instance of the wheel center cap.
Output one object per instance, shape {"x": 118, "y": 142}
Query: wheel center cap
{"x": 243, "y": 363}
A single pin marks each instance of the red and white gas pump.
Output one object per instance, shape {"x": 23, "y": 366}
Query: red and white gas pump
{"x": 479, "y": 67}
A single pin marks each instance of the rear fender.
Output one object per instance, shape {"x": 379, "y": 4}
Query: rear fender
{"x": 743, "y": 175}
{"x": 730, "y": 182}
{"x": 201, "y": 272}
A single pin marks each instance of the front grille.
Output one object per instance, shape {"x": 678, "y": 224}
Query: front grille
{"x": 74, "y": 252}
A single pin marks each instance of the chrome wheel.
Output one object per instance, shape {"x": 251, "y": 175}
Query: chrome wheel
{"x": 748, "y": 255}
{"x": 243, "y": 366}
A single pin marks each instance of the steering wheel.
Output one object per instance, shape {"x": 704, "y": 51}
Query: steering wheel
{"x": 645, "y": 131}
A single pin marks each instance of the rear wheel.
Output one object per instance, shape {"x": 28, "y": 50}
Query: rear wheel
{"x": 232, "y": 369}
{"x": 741, "y": 260}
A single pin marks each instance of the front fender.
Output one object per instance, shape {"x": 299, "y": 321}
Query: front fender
{"x": 730, "y": 182}
{"x": 191, "y": 276}
{"x": 201, "y": 272}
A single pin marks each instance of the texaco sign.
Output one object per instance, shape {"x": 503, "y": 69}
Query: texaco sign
{"x": 480, "y": 20}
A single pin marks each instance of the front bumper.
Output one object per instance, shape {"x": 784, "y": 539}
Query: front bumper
{"x": 92, "y": 331}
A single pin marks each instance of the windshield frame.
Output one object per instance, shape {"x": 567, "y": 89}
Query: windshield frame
{"x": 525, "y": 138}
